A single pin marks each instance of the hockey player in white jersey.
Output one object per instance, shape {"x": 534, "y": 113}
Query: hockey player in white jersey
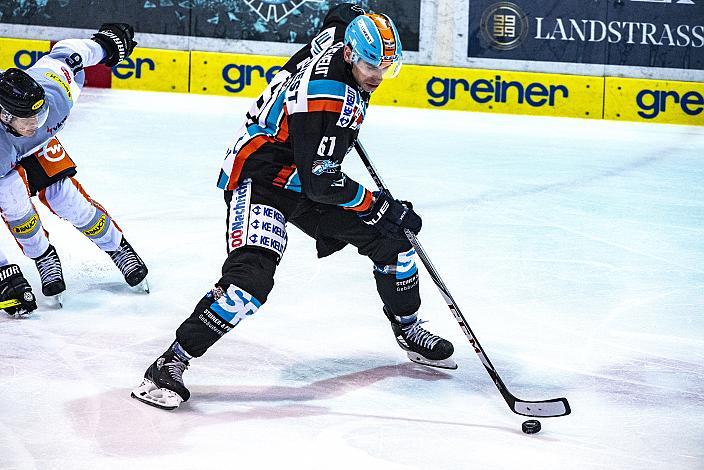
{"x": 16, "y": 296}
{"x": 34, "y": 106}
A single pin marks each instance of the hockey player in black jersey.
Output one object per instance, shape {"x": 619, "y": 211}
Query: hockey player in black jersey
{"x": 284, "y": 168}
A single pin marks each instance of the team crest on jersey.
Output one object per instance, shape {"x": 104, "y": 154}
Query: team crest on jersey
{"x": 353, "y": 110}
{"x": 324, "y": 166}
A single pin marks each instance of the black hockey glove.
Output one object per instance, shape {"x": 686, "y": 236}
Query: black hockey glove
{"x": 391, "y": 216}
{"x": 117, "y": 39}
{"x": 13, "y": 286}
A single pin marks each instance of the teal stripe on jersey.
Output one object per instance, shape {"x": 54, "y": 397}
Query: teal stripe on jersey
{"x": 357, "y": 199}
{"x": 329, "y": 88}
{"x": 277, "y": 110}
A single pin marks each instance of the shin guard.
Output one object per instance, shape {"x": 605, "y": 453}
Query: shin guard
{"x": 217, "y": 313}
{"x": 397, "y": 284}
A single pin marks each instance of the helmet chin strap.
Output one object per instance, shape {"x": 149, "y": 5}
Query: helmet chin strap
{"x": 6, "y": 119}
{"x": 11, "y": 130}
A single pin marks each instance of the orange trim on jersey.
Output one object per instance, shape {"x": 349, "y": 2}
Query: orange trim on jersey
{"x": 42, "y": 197}
{"x": 242, "y": 156}
{"x": 282, "y": 135}
{"x": 332, "y": 106}
{"x": 283, "y": 176}
{"x": 90, "y": 200}
{"x": 23, "y": 174}
{"x": 365, "y": 204}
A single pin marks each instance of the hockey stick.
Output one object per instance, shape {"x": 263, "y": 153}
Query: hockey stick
{"x": 544, "y": 409}
{"x": 9, "y": 303}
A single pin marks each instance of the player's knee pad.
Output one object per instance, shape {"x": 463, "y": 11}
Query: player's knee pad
{"x": 29, "y": 233}
{"x": 98, "y": 226}
{"x": 404, "y": 267}
{"x": 252, "y": 269}
{"x": 233, "y": 304}
{"x": 14, "y": 196}
{"x": 250, "y": 224}
{"x": 21, "y": 216}
{"x": 26, "y": 226}
{"x": 397, "y": 283}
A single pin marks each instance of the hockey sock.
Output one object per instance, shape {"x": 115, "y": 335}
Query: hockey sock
{"x": 180, "y": 352}
{"x": 406, "y": 319}
{"x": 217, "y": 313}
{"x": 397, "y": 284}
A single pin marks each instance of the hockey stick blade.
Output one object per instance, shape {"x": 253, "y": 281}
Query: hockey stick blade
{"x": 538, "y": 409}
{"x": 9, "y": 303}
{"x": 542, "y": 409}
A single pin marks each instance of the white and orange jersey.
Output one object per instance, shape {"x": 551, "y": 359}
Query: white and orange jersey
{"x": 61, "y": 75}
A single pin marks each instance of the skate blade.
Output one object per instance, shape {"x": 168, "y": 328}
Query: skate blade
{"x": 143, "y": 286}
{"x": 21, "y": 314}
{"x": 161, "y": 398}
{"x": 448, "y": 363}
{"x": 58, "y": 300}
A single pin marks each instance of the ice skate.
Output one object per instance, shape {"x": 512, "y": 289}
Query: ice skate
{"x": 420, "y": 345}
{"x": 130, "y": 265}
{"x": 49, "y": 267}
{"x": 163, "y": 386}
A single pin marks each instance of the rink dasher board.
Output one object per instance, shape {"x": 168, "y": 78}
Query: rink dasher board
{"x": 418, "y": 86}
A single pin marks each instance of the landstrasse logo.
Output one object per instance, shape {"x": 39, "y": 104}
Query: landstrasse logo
{"x": 504, "y": 25}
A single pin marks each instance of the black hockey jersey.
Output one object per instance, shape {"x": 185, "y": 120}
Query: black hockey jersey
{"x": 299, "y": 130}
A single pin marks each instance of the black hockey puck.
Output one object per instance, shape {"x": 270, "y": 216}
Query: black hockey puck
{"x": 531, "y": 426}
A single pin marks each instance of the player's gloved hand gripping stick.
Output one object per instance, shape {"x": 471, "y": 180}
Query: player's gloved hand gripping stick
{"x": 117, "y": 39}
{"x": 547, "y": 408}
{"x": 16, "y": 296}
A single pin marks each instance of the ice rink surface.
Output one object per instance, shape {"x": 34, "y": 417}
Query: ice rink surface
{"x": 575, "y": 249}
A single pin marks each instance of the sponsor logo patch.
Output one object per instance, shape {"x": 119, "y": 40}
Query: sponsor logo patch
{"x": 98, "y": 227}
{"x": 26, "y": 227}
{"x": 64, "y": 85}
{"x": 66, "y": 74}
{"x": 353, "y": 110}
{"x": 53, "y": 151}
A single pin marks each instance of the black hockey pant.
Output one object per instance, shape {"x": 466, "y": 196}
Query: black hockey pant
{"x": 248, "y": 272}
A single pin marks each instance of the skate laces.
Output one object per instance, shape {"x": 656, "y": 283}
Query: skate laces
{"x": 176, "y": 368}
{"x": 49, "y": 267}
{"x": 417, "y": 334}
{"x": 126, "y": 260}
